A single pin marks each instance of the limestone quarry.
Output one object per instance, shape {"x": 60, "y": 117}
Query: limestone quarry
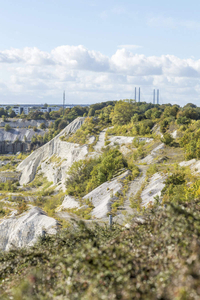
{"x": 52, "y": 162}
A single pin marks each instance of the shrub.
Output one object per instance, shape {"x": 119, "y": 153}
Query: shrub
{"x": 42, "y": 125}
{"x": 167, "y": 139}
{"x": 85, "y": 175}
{"x": 7, "y": 127}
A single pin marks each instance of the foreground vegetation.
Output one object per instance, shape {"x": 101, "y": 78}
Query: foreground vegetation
{"x": 155, "y": 260}
{"x": 158, "y": 256}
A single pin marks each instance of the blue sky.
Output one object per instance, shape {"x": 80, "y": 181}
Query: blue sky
{"x": 99, "y": 50}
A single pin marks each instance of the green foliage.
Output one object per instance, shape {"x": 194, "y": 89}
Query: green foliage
{"x": 8, "y": 186}
{"x": 152, "y": 170}
{"x": 79, "y": 175}
{"x": 91, "y": 112}
{"x": 7, "y": 127}
{"x": 86, "y": 175}
{"x": 91, "y": 127}
{"x": 167, "y": 139}
{"x": 98, "y": 263}
{"x": 42, "y": 125}
{"x": 164, "y": 125}
{"x": 123, "y": 111}
{"x": 108, "y": 164}
{"x": 174, "y": 189}
{"x": 191, "y": 141}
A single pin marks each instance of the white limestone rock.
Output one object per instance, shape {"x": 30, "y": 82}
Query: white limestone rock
{"x": 193, "y": 164}
{"x": 103, "y": 196}
{"x": 153, "y": 189}
{"x": 149, "y": 158}
{"x": 68, "y": 152}
{"x": 68, "y": 202}
{"x": 24, "y": 230}
{"x": 126, "y": 140}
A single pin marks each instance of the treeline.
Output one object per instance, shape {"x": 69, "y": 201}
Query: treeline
{"x": 131, "y": 119}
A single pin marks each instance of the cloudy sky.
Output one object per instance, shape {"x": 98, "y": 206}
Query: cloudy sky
{"x": 99, "y": 50}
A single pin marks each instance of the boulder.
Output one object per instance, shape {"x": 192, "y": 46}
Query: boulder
{"x": 24, "y": 230}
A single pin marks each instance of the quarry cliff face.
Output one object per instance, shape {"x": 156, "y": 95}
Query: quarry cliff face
{"x": 18, "y": 137}
{"x": 67, "y": 152}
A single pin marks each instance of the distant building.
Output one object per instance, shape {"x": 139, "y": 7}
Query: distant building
{"x": 17, "y": 109}
{"x": 26, "y": 109}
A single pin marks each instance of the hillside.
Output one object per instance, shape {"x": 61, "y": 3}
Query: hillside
{"x": 136, "y": 161}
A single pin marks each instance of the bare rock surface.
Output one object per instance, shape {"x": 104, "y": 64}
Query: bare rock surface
{"x": 126, "y": 140}
{"x": 193, "y": 164}
{"x": 24, "y": 230}
{"x": 19, "y": 134}
{"x": 23, "y": 123}
{"x": 153, "y": 189}
{"x": 104, "y": 195}
{"x": 68, "y": 202}
{"x": 69, "y": 152}
{"x": 174, "y": 134}
{"x": 149, "y": 158}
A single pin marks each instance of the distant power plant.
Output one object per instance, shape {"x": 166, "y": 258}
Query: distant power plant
{"x": 155, "y": 101}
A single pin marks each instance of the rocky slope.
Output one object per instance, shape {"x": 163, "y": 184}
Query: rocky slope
{"x": 24, "y": 230}
{"x": 67, "y": 152}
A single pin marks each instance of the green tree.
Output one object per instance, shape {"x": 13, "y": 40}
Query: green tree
{"x": 11, "y": 112}
{"x": 91, "y": 112}
{"x": 7, "y": 127}
{"x": 167, "y": 139}
{"x": 123, "y": 111}
{"x": 42, "y": 125}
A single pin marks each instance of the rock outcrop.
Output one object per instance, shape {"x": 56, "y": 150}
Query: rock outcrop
{"x": 68, "y": 202}
{"x": 120, "y": 140}
{"x": 193, "y": 164}
{"x": 19, "y": 134}
{"x": 153, "y": 189}
{"x": 68, "y": 152}
{"x": 149, "y": 158}
{"x": 104, "y": 195}
{"x": 24, "y": 230}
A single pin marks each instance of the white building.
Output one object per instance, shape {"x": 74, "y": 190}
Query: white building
{"x": 17, "y": 109}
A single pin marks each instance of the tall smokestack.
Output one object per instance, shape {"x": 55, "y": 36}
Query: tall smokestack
{"x": 139, "y": 95}
{"x": 135, "y": 94}
{"x": 157, "y": 96}
{"x": 154, "y": 96}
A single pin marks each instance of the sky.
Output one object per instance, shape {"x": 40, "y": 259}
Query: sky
{"x": 99, "y": 50}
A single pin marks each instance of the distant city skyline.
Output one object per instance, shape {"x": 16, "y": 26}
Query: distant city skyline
{"x": 99, "y": 51}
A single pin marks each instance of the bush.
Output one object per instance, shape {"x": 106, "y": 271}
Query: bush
{"x": 86, "y": 175}
{"x": 42, "y": 125}
{"x": 167, "y": 139}
{"x": 7, "y": 127}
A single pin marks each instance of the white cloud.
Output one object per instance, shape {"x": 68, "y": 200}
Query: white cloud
{"x": 89, "y": 76}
